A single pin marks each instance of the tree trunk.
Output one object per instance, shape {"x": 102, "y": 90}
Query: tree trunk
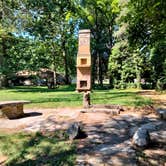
{"x": 64, "y": 52}
{"x": 66, "y": 68}
{"x": 138, "y": 77}
{"x": 2, "y": 63}
{"x": 94, "y": 70}
{"x": 54, "y": 66}
{"x": 100, "y": 71}
{"x": 99, "y": 58}
{"x": 54, "y": 69}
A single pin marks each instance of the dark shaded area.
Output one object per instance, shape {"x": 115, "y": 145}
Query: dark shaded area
{"x": 26, "y": 115}
{"x": 44, "y": 89}
{"x": 45, "y": 154}
{"x": 31, "y": 114}
{"x": 65, "y": 98}
{"x": 104, "y": 140}
{"x": 103, "y": 87}
{"x": 75, "y": 131}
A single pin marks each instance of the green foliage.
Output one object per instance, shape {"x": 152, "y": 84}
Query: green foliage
{"x": 139, "y": 49}
{"x": 161, "y": 84}
{"x": 47, "y": 41}
{"x": 127, "y": 43}
{"x": 158, "y": 60}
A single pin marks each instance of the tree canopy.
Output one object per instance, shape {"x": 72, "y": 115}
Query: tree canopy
{"x": 127, "y": 43}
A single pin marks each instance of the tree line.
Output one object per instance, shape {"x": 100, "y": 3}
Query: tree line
{"x": 127, "y": 43}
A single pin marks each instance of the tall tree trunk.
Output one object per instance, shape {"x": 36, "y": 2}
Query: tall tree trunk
{"x": 109, "y": 46}
{"x": 2, "y": 62}
{"x": 66, "y": 68}
{"x": 99, "y": 58}
{"x": 93, "y": 68}
{"x": 138, "y": 77}
{"x": 67, "y": 81}
{"x": 54, "y": 69}
{"x": 100, "y": 71}
{"x": 1, "y": 56}
{"x": 54, "y": 65}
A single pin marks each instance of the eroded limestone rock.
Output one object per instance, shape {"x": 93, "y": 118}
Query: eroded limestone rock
{"x": 141, "y": 138}
{"x": 75, "y": 131}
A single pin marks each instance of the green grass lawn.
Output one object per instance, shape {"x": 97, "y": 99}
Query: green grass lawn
{"x": 65, "y": 96}
{"x": 36, "y": 149}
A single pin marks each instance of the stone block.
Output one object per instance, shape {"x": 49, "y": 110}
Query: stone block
{"x": 13, "y": 112}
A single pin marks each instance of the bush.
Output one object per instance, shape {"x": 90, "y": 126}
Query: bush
{"x": 131, "y": 85}
{"x": 161, "y": 84}
{"x": 147, "y": 85}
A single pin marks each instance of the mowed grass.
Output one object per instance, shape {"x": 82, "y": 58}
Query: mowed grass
{"x": 66, "y": 96}
{"x": 37, "y": 149}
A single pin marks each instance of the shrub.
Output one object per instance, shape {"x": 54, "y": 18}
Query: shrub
{"x": 161, "y": 84}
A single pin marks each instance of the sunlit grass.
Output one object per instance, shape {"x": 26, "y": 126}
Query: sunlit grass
{"x": 66, "y": 96}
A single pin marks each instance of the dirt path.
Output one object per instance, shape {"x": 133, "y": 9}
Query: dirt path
{"x": 158, "y": 98}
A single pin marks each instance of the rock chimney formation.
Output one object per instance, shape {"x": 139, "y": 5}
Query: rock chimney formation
{"x": 84, "y": 62}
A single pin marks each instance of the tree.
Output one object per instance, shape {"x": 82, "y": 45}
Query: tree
{"x": 7, "y": 26}
{"x": 99, "y": 17}
{"x": 54, "y": 21}
{"x": 134, "y": 38}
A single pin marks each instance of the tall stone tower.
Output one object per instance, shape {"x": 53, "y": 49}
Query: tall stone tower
{"x": 84, "y": 62}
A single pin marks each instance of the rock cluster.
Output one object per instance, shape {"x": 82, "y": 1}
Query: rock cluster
{"x": 75, "y": 131}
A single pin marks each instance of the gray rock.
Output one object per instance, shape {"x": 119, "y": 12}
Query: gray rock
{"x": 149, "y": 126}
{"x": 132, "y": 131}
{"x": 75, "y": 131}
{"x": 162, "y": 113}
{"x": 141, "y": 138}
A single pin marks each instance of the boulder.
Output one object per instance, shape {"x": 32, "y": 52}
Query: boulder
{"x": 151, "y": 126}
{"x": 132, "y": 131}
{"x": 162, "y": 113}
{"x": 141, "y": 138}
{"x": 75, "y": 131}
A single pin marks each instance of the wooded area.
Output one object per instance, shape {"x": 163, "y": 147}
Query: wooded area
{"x": 127, "y": 42}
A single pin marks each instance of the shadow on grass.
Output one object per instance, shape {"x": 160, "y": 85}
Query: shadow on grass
{"x": 123, "y": 98}
{"x": 78, "y": 97}
{"x": 38, "y": 149}
{"x": 130, "y": 98}
{"x": 64, "y": 88}
{"x": 64, "y": 98}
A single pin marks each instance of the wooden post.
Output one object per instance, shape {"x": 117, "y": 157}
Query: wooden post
{"x": 86, "y": 99}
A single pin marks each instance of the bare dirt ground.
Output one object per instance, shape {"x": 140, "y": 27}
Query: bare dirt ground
{"x": 109, "y": 137}
{"x": 158, "y": 98}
